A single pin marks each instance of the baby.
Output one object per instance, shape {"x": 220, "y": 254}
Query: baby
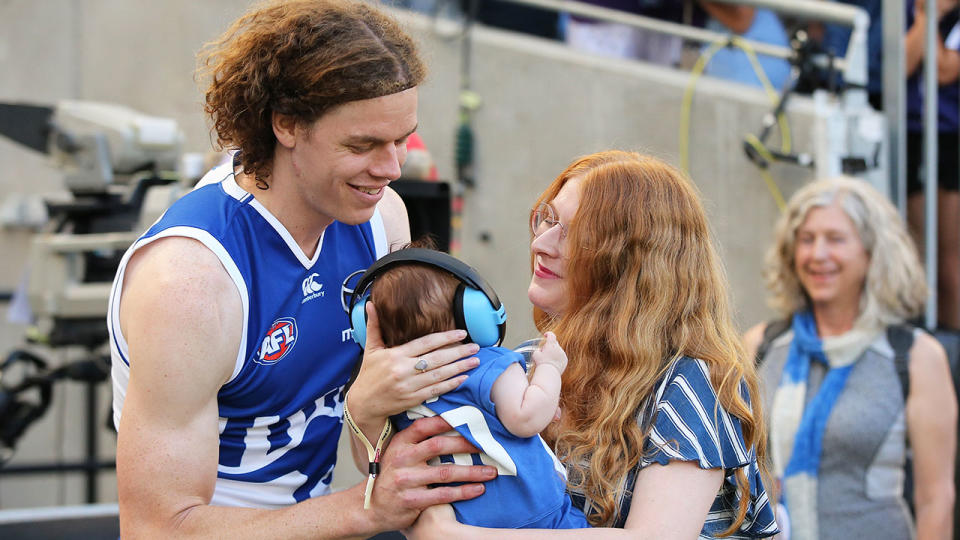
{"x": 497, "y": 408}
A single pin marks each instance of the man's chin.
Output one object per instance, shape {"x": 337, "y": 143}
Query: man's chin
{"x": 357, "y": 218}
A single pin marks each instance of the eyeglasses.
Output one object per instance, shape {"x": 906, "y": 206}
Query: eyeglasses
{"x": 544, "y": 218}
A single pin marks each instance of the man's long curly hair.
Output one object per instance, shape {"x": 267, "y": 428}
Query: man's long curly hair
{"x": 299, "y": 58}
{"x": 644, "y": 286}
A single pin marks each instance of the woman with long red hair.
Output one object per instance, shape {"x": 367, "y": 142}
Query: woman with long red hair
{"x": 660, "y": 430}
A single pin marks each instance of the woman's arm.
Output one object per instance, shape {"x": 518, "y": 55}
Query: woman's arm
{"x": 673, "y": 501}
{"x": 669, "y": 502}
{"x": 932, "y": 431}
{"x": 948, "y": 65}
{"x": 915, "y": 42}
{"x": 948, "y": 61}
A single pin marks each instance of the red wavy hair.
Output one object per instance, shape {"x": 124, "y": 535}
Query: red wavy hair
{"x": 645, "y": 287}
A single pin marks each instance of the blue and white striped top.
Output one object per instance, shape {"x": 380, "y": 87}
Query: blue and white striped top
{"x": 690, "y": 425}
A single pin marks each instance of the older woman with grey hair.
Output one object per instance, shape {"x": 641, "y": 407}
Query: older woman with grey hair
{"x": 850, "y": 389}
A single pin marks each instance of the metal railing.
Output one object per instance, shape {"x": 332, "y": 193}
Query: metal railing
{"x": 931, "y": 88}
{"x": 853, "y": 65}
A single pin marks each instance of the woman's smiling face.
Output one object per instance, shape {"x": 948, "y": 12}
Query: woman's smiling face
{"x": 829, "y": 257}
{"x": 548, "y": 286}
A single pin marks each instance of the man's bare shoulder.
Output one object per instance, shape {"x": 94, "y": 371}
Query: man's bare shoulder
{"x": 176, "y": 290}
{"x": 183, "y": 274}
{"x": 177, "y": 259}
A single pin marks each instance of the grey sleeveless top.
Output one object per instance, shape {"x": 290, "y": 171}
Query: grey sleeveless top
{"x": 860, "y": 481}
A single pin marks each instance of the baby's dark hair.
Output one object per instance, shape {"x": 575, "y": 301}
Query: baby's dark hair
{"x": 413, "y": 300}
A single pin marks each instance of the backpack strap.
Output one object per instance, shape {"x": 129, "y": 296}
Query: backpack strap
{"x": 900, "y": 337}
{"x": 772, "y": 331}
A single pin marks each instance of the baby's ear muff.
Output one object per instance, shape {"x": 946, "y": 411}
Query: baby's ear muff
{"x": 476, "y": 307}
{"x": 358, "y": 320}
{"x": 473, "y": 312}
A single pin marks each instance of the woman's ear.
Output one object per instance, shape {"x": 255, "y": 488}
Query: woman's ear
{"x": 284, "y": 129}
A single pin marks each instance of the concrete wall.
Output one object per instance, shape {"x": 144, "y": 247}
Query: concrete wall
{"x": 542, "y": 106}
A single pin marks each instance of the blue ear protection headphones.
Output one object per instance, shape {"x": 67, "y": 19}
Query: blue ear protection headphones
{"x": 476, "y": 307}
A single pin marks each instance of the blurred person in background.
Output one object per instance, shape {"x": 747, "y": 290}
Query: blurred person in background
{"x": 761, "y": 25}
{"x": 836, "y": 37}
{"x": 624, "y": 41}
{"x": 850, "y": 390}
{"x": 948, "y": 173}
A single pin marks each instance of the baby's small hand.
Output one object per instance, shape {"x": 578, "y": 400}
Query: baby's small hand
{"x": 551, "y": 353}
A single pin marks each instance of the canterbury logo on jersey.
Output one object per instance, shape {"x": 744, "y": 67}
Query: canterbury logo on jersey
{"x": 279, "y": 341}
{"x": 311, "y": 288}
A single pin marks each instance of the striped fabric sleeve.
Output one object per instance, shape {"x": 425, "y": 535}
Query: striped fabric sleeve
{"x": 690, "y": 424}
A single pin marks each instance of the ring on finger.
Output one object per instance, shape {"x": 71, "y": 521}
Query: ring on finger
{"x": 420, "y": 366}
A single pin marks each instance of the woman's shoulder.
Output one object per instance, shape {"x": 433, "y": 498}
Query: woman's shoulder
{"x": 688, "y": 380}
{"x": 685, "y": 364}
{"x": 689, "y": 369}
{"x": 928, "y": 362}
{"x": 688, "y": 372}
{"x": 691, "y": 424}
{"x": 691, "y": 377}
{"x": 753, "y": 337}
{"x": 926, "y": 349}
{"x": 767, "y": 335}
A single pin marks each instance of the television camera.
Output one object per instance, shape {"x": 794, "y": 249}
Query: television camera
{"x": 119, "y": 169}
{"x": 851, "y": 137}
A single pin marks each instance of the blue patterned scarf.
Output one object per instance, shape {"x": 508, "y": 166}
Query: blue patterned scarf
{"x": 797, "y": 430}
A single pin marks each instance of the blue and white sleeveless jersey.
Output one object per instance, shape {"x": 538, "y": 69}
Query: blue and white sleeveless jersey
{"x": 281, "y": 411}
{"x": 530, "y": 491}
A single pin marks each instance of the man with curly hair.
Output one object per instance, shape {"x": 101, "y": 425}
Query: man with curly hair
{"x": 231, "y": 347}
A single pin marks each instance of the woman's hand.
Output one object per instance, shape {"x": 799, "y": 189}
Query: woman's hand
{"x": 437, "y": 522}
{"x": 395, "y": 379}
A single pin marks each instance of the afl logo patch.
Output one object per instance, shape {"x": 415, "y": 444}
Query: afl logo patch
{"x": 279, "y": 341}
